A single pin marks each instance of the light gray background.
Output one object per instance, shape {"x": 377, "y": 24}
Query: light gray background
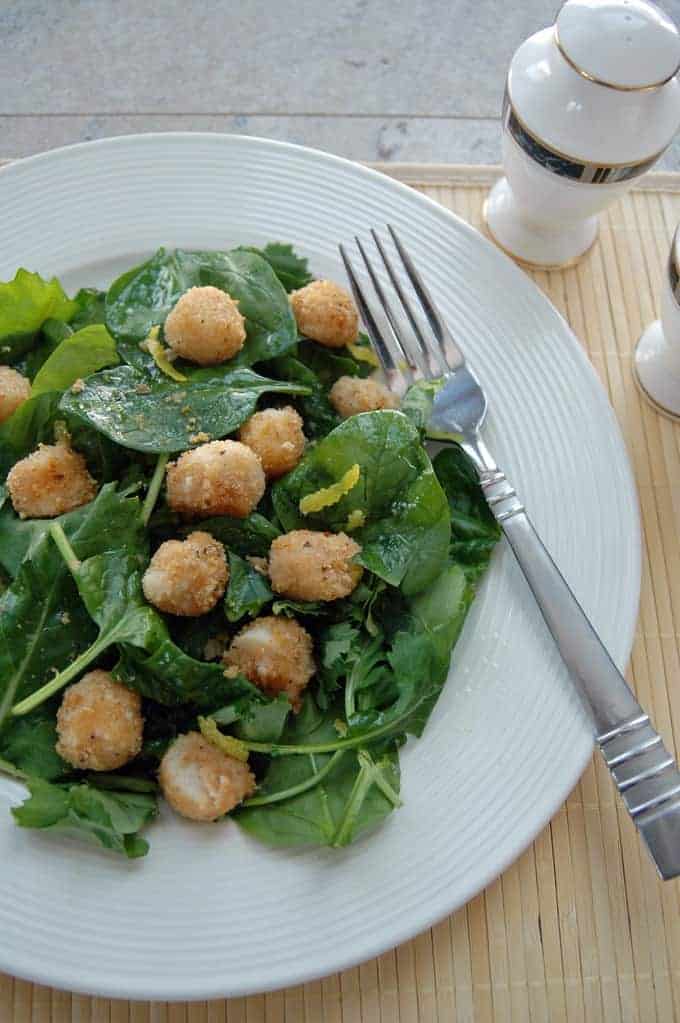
{"x": 390, "y": 80}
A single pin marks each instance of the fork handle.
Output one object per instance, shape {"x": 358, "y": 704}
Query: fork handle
{"x": 645, "y": 773}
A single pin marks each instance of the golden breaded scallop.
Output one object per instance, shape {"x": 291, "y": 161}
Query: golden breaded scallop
{"x": 306, "y": 565}
{"x": 187, "y": 577}
{"x": 276, "y": 436}
{"x": 275, "y": 654}
{"x": 223, "y": 477}
{"x": 99, "y": 723}
{"x": 200, "y": 782}
{"x": 205, "y": 326}
{"x": 14, "y": 390}
{"x": 351, "y": 395}
{"x": 52, "y": 480}
{"x": 326, "y": 313}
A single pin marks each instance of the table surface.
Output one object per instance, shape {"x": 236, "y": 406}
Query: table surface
{"x": 389, "y": 80}
{"x": 579, "y": 928}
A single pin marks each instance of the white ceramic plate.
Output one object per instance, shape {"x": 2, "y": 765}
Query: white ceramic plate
{"x": 211, "y": 912}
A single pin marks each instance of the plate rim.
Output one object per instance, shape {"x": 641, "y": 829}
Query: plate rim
{"x": 543, "y": 809}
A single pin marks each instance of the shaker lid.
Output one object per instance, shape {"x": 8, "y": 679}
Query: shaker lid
{"x": 625, "y": 44}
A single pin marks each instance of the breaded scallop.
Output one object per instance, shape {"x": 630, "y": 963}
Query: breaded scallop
{"x": 223, "y": 477}
{"x": 205, "y": 326}
{"x": 276, "y": 437}
{"x": 275, "y": 654}
{"x": 187, "y": 577}
{"x": 308, "y": 565}
{"x": 99, "y": 723}
{"x": 50, "y": 481}
{"x": 200, "y": 782}
{"x": 325, "y": 312}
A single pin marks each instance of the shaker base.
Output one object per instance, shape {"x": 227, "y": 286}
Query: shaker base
{"x": 531, "y": 245}
{"x": 651, "y": 374}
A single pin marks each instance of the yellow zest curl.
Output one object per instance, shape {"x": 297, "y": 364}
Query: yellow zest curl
{"x": 355, "y": 520}
{"x": 159, "y": 355}
{"x": 226, "y": 744}
{"x": 363, "y": 354}
{"x": 327, "y": 496}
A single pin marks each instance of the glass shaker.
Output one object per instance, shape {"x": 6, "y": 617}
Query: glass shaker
{"x": 590, "y": 104}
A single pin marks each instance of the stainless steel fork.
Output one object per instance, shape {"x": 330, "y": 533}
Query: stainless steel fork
{"x": 645, "y": 773}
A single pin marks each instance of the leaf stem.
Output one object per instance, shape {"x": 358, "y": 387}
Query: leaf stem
{"x": 154, "y": 488}
{"x": 365, "y": 739}
{"x": 64, "y": 547}
{"x": 296, "y": 790}
{"x": 60, "y": 680}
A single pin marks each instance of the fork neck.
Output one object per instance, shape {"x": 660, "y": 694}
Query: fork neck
{"x": 478, "y": 453}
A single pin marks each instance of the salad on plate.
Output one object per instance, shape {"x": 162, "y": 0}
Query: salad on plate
{"x": 231, "y": 575}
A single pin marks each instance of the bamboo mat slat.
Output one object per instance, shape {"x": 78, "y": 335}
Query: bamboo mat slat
{"x": 579, "y": 929}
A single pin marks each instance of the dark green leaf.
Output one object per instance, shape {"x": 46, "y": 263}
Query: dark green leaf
{"x": 111, "y": 818}
{"x": 335, "y": 811}
{"x": 316, "y": 410}
{"x": 291, "y": 269}
{"x": 328, "y": 366}
{"x": 406, "y": 537}
{"x": 474, "y": 530}
{"x": 43, "y": 624}
{"x": 90, "y": 308}
{"x": 143, "y": 297}
{"x": 29, "y": 744}
{"x": 158, "y": 415}
{"x": 247, "y": 592}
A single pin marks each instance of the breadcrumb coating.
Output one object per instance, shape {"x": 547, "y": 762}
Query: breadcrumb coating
{"x": 50, "y": 481}
{"x": 308, "y": 565}
{"x": 200, "y": 782}
{"x": 14, "y": 390}
{"x": 205, "y": 326}
{"x": 276, "y": 437}
{"x": 187, "y": 577}
{"x": 223, "y": 477}
{"x": 325, "y": 312}
{"x": 351, "y": 395}
{"x": 99, "y": 723}
{"x": 275, "y": 654}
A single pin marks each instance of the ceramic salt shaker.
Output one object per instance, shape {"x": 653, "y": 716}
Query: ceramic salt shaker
{"x": 656, "y": 361}
{"x": 590, "y": 104}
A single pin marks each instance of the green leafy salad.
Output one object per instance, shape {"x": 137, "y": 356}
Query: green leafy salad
{"x": 230, "y": 573}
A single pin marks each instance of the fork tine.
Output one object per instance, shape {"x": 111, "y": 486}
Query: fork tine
{"x": 447, "y": 349}
{"x": 404, "y": 361}
{"x": 420, "y": 356}
{"x": 395, "y": 377}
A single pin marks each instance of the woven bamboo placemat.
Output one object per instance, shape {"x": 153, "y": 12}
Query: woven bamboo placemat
{"x": 579, "y": 928}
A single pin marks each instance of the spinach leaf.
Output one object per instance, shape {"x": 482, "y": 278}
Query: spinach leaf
{"x": 77, "y": 356}
{"x": 328, "y": 366}
{"x": 474, "y": 530}
{"x": 321, "y": 799}
{"x": 112, "y": 818}
{"x": 158, "y": 415}
{"x": 251, "y": 536}
{"x": 90, "y": 308}
{"x": 52, "y": 333}
{"x": 33, "y": 423}
{"x": 143, "y": 297}
{"x": 406, "y": 537}
{"x": 291, "y": 269}
{"x": 43, "y": 624}
{"x": 25, "y": 304}
{"x": 29, "y": 744}
{"x": 247, "y": 592}
{"x": 319, "y": 415}
{"x": 259, "y": 721}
